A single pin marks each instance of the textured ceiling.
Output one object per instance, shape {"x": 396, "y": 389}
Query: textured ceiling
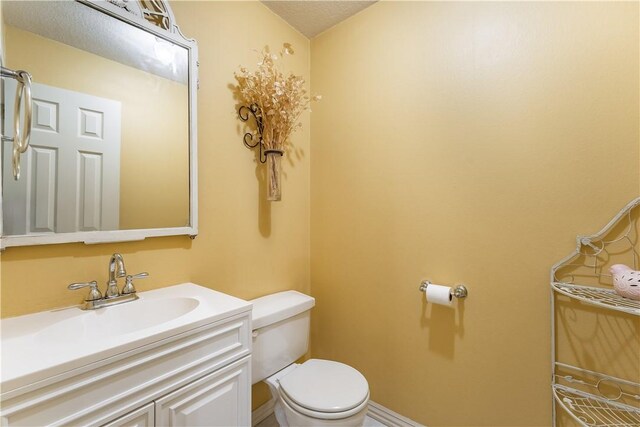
{"x": 311, "y": 17}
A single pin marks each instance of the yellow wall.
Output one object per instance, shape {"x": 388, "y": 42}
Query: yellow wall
{"x": 246, "y": 246}
{"x": 463, "y": 143}
{"x": 154, "y": 113}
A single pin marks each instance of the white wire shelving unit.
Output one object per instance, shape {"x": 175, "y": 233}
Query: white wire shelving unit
{"x": 606, "y": 298}
{"x": 594, "y": 399}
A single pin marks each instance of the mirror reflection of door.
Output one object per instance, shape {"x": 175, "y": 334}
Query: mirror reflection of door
{"x": 72, "y": 168}
{"x": 77, "y": 48}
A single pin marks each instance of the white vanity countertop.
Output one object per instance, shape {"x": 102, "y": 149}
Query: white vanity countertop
{"x": 38, "y": 346}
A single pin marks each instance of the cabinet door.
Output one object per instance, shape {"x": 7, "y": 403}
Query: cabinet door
{"x": 221, "y": 398}
{"x": 141, "y": 417}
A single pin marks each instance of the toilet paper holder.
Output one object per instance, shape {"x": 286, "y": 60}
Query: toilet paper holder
{"x": 459, "y": 291}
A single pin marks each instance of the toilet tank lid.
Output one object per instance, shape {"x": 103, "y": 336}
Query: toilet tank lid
{"x": 273, "y": 308}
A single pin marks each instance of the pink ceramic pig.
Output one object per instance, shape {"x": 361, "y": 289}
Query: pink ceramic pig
{"x": 626, "y": 282}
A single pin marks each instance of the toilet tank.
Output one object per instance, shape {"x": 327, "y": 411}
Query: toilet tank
{"x": 280, "y": 332}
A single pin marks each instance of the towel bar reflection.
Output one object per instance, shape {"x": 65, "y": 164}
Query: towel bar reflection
{"x": 21, "y": 134}
{"x": 459, "y": 291}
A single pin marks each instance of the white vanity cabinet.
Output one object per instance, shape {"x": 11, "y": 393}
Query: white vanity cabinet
{"x": 218, "y": 399}
{"x": 193, "y": 375}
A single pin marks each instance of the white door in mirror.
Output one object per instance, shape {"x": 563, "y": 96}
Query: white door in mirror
{"x": 72, "y": 169}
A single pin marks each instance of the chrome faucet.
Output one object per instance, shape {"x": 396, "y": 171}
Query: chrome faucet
{"x": 112, "y": 295}
{"x": 116, "y": 269}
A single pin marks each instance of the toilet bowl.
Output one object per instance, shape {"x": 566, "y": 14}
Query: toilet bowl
{"x": 315, "y": 393}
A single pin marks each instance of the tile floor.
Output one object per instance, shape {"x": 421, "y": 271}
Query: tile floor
{"x": 270, "y": 421}
{"x": 370, "y": 422}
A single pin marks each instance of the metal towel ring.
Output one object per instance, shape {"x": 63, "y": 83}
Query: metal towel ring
{"x": 21, "y": 139}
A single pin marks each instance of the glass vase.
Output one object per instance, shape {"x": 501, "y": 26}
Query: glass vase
{"x": 274, "y": 170}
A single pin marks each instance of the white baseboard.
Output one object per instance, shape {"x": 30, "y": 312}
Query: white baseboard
{"x": 389, "y": 418}
{"x": 262, "y": 412}
{"x": 376, "y": 411}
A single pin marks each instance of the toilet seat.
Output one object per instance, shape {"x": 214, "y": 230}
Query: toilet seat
{"x": 324, "y": 415}
{"x": 325, "y": 389}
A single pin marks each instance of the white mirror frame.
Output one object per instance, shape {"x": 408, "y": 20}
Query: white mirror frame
{"x": 132, "y": 12}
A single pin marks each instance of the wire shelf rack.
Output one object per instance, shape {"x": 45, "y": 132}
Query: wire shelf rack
{"x": 602, "y": 297}
{"x": 584, "y": 274}
{"x": 594, "y": 411}
{"x": 595, "y": 399}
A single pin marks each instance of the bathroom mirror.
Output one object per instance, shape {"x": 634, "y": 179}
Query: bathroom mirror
{"x": 112, "y": 155}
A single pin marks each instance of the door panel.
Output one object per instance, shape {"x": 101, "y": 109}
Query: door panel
{"x": 89, "y": 206}
{"x": 71, "y": 172}
{"x": 44, "y": 173}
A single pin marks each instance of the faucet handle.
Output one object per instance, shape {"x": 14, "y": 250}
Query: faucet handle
{"x": 128, "y": 287}
{"x": 94, "y": 293}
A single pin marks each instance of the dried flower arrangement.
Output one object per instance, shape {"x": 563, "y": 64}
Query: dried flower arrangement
{"x": 281, "y": 98}
{"x": 277, "y": 101}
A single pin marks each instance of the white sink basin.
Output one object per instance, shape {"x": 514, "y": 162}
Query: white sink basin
{"x": 37, "y": 346}
{"x": 108, "y": 322}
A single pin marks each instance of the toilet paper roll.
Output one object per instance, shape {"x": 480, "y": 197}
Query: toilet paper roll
{"x": 438, "y": 294}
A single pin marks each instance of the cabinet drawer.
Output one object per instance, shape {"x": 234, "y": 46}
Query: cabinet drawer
{"x": 99, "y": 392}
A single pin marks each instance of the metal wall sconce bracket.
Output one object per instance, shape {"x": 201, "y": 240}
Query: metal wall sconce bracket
{"x": 248, "y": 139}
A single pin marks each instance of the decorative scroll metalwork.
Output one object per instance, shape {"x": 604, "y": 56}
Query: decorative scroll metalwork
{"x": 131, "y": 7}
{"x": 617, "y": 242}
{"x": 154, "y": 11}
{"x": 248, "y": 138}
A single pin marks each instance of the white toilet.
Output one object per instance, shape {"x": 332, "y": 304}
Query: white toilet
{"x": 314, "y": 393}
